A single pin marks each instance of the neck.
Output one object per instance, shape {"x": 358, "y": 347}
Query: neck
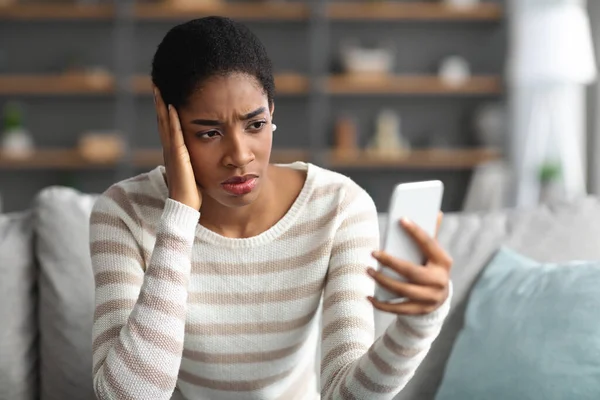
{"x": 240, "y": 222}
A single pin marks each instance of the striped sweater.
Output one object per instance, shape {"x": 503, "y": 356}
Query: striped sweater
{"x": 182, "y": 311}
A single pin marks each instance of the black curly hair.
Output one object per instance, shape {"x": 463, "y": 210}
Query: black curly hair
{"x": 206, "y": 47}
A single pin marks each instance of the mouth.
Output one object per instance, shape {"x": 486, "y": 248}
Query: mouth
{"x": 240, "y": 185}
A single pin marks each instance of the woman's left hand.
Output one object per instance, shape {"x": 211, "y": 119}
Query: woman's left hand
{"x": 426, "y": 287}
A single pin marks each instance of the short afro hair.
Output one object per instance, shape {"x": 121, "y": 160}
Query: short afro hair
{"x": 202, "y": 48}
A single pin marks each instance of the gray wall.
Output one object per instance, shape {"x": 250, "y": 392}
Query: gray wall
{"x": 39, "y": 46}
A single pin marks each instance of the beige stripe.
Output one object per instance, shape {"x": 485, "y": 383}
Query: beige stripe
{"x": 275, "y": 296}
{"x": 154, "y": 337}
{"x": 352, "y": 193}
{"x": 346, "y": 323}
{"x": 115, "y": 248}
{"x": 112, "y": 306}
{"x": 367, "y": 383}
{"x": 117, "y": 277}
{"x": 161, "y": 304}
{"x": 346, "y": 269}
{"x": 173, "y": 243}
{"x": 240, "y": 358}
{"x": 145, "y": 200}
{"x": 369, "y": 242}
{"x": 118, "y": 391}
{"x": 249, "y": 327}
{"x": 359, "y": 218}
{"x": 398, "y": 350}
{"x": 309, "y": 227}
{"x": 342, "y": 296}
{"x": 232, "y": 386}
{"x": 345, "y": 392}
{"x": 334, "y": 379}
{"x": 404, "y": 326}
{"x": 120, "y": 197}
{"x": 383, "y": 367}
{"x": 341, "y": 350}
{"x": 140, "y": 368}
{"x": 107, "y": 335}
{"x": 258, "y": 268}
{"x": 140, "y": 178}
{"x": 112, "y": 221}
{"x": 168, "y": 274}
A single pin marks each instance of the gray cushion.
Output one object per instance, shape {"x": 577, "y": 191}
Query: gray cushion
{"x": 552, "y": 233}
{"x": 18, "y": 325}
{"x": 66, "y": 293}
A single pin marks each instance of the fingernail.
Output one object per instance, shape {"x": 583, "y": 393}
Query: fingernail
{"x": 170, "y": 108}
{"x": 376, "y": 253}
{"x": 405, "y": 221}
{"x": 371, "y": 271}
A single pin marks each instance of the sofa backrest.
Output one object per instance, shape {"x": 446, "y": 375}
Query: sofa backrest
{"x": 66, "y": 289}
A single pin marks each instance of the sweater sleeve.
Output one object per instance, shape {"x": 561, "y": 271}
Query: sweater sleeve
{"x": 353, "y": 365}
{"x": 139, "y": 318}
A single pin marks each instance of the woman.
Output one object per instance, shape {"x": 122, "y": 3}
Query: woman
{"x": 210, "y": 271}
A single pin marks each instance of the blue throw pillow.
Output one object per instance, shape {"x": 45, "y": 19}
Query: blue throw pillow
{"x": 532, "y": 332}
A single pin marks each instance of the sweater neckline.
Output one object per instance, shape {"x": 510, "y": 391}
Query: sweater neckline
{"x": 280, "y": 227}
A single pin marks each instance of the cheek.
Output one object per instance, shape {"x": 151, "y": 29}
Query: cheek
{"x": 203, "y": 162}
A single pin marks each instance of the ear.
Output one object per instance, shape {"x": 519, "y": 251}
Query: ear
{"x": 272, "y": 110}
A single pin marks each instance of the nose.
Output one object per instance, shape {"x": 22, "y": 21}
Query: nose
{"x": 238, "y": 152}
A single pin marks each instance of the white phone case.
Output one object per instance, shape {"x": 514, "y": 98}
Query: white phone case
{"x": 421, "y": 203}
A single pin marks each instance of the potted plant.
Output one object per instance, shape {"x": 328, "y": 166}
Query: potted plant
{"x": 550, "y": 174}
{"x": 16, "y": 140}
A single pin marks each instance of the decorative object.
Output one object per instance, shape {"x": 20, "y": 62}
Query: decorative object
{"x": 101, "y": 147}
{"x": 549, "y": 176}
{"x": 551, "y": 61}
{"x": 491, "y": 125}
{"x": 388, "y": 138}
{"x": 16, "y": 139}
{"x": 462, "y": 3}
{"x": 274, "y": 127}
{"x": 454, "y": 71}
{"x": 530, "y": 331}
{"x": 367, "y": 60}
{"x": 346, "y": 137}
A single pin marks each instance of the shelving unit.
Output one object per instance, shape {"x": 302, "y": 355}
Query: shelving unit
{"x": 315, "y": 87}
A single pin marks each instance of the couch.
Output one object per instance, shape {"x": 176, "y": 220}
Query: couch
{"x": 47, "y": 286}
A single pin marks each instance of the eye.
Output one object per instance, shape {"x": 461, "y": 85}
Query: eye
{"x": 208, "y": 135}
{"x": 257, "y": 125}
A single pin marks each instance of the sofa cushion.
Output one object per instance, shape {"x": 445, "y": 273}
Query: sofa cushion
{"x": 531, "y": 332}
{"x": 552, "y": 233}
{"x": 18, "y": 325}
{"x": 66, "y": 293}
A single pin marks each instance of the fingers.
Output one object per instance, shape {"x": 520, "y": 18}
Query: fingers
{"x": 428, "y": 245}
{"x": 412, "y": 272}
{"x": 162, "y": 118}
{"x": 420, "y": 293}
{"x": 176, "y": 134}
{"x": 405, "y": 308}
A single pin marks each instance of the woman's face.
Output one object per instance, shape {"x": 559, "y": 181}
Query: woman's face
{"x": 228, "y": 133}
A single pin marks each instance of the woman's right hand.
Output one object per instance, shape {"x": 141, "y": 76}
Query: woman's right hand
{"x": 180, "y": 175}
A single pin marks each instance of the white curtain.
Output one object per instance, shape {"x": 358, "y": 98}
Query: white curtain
{"x": 550, "y": 62}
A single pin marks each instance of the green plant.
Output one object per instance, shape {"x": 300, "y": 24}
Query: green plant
{"x": 12, "y": 117}
{"x": 550, "y": 171}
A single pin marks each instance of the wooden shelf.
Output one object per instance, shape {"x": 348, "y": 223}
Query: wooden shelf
{"x": 451, "y": 159}
{"x": 241, "y": 11}
{"x": 410, "y": 85}
{"x": 41, "y": 11}
{"x": 56, "y": 84}
{"x": 418, "y": 11}
{"x": 286, "y": 84}
{"x": 145, "y": 158}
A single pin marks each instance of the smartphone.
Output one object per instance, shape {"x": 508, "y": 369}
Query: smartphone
{"x": 421, "y": 203}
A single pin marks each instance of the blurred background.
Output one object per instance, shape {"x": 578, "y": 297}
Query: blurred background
{"x": 495, "y": 98}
